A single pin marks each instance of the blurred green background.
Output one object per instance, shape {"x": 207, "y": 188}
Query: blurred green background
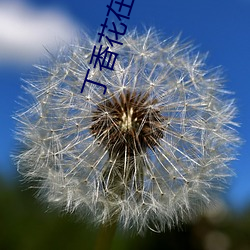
{"x": 27, "y": 225}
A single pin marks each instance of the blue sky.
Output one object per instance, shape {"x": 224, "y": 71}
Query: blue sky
{"x": 221, "y": 27}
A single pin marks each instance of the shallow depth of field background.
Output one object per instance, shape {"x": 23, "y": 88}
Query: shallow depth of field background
{"x": 221, "y": 27}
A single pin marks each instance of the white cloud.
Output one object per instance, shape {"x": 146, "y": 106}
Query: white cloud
{"x": 25, "y": 31}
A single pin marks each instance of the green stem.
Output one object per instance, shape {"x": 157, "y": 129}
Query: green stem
{"x": 105, "y": 236}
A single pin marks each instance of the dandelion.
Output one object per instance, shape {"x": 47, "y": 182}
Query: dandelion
{"x": 152, "y": 152}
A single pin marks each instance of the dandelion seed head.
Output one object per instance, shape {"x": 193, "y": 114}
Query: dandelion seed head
{"x": 152, "y": 152}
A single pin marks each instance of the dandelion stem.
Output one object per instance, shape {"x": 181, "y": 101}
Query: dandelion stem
{"x": 105, "y": 236}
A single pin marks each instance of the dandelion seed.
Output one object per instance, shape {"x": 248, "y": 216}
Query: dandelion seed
{"x": 150, "y": 153}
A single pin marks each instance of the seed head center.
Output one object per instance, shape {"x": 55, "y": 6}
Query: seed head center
{"x": 130, "y": 121}
{"x": 127, "y": 122}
